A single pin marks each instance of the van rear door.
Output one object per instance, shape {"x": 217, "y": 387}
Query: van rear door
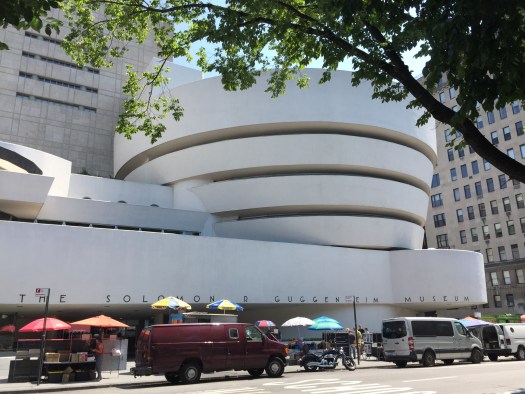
{"x": 142, "y": 352}
{"x": 395, "y": 338}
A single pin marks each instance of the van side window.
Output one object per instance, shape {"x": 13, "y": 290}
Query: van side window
{"x": 461, "y": 330}
{"x": 234, "y": 333}
{"x": 444, "y": 329}
{"x": 252, "y": 334}
{"x": 394, "y": 329}
{"x": 424, "y": 328}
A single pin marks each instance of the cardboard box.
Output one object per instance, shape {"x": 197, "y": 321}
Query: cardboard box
{"x": 52, "y": 357}
{"x": 74, "y": 357}
{"x": 64, "y": 356}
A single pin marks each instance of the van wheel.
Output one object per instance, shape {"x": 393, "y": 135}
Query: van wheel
{"x": 274, "y": 368}
{"x": 256, "y": 372}
{"x": 476, "y": 356}
{"x": 190, "y": 373}
{"x": 448, "y": 362}
{"x": 493, "y": 357}
{"x": 520, "y": 354}
{"x": 401, "y": 364}
{"x": 428, "y": 359}
{"x": 172, "y": 377}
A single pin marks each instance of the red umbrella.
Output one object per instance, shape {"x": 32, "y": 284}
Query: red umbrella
{"x": 102, "y": 321}
{"x": 52, "y": 324}
{"x": 9, "y": 328}
{"x": 265, "y": 323}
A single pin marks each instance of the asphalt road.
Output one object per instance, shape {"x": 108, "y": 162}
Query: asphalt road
{"x": 505, "y": 376}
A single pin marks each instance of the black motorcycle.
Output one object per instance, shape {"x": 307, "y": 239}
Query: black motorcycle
{"x": 327, "y": 360}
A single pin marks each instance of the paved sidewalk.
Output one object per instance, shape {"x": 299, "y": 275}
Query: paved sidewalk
{"x": 124, "y": 378}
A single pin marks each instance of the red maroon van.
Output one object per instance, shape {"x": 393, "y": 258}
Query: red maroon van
{"x": 183, "y": 351}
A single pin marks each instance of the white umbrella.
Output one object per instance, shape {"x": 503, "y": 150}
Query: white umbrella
{"x": 298, "y": 322}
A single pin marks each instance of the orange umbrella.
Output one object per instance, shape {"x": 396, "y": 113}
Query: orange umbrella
{"x": 102, "y": 321}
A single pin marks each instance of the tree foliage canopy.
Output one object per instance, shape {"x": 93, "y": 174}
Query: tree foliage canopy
{"x": 478, "y": 45}
{"x": 23, "y": 14}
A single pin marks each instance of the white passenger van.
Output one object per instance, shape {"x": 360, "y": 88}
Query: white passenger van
{"x": 427, "y": 339}
{"x": 514, "y": 334}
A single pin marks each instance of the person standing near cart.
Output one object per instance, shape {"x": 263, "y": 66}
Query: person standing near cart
{"x": 98, "y": 351}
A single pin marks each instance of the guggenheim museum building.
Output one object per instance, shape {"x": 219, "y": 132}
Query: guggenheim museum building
{"x": 308, "y": 204}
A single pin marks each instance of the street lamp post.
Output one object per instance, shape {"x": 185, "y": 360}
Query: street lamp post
{"x": 38, "y": 292}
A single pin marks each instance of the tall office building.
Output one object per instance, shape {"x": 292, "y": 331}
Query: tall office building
{"x": 49, "y": 103}
{"x": 474, "y": 206}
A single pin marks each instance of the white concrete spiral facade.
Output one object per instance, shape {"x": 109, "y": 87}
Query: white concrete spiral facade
{"x": 325, "y": 165}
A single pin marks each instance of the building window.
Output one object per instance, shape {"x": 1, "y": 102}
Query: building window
{"x": 450, "y": 153}
{"x": 522, "y": 151}
{"x": 448, "y": 135}
{"x": 515, "y": 251}
{"x": 486, "y": 165}
{"x": 452, "y": 93}
{"x": 485, "y": 230}
{"x": 442, "y": 241}
{"x": 494, "y": 137}
{"x": 459, "y": 215}
{"x": 436, "y": 200}
{"x": 502, "y": 253}
{"x": 439, "y": 220}
{"x": 494, "y": 278}
{"x": 515, "y": 107}
{"x": 490, "y": 117}
{"x": 502, "y": 181}
{"x": 464, "y": 171}
{"x": 482, "y": 210}
{"x": 519, "y": 200}
{"x": 463, "y": 236}
{"x": 479, "y": 189}
{"x": 510, "y": 153}
{"x": 494, "y": 207}
{"x": 520, "y": 276}
{"x": 506, "y": 277}
{"x": 510, "y": 227}
{"x": 497, "y": 301}
{"x": 475, "y": 168}
{"x": 479, "y": 122}
{"x": 474, "y": 234}
{"x": 457, "y": 195}
{"x": 442, "y": 97}
{"x": 461, "y": 152}
{"x": 470, "y": 212}
{"x": 435, "y": 180}
{"x": 506, "y": 133}
{"x": 510, "y": 299}
{"x": 502, "y": 113}
{"x": 497, "y": 230}
{"x": 466, "y": 188}
{"x": 490, "y": 185}
{"x": 486, "y": 305}
{"x": 522, "y": 223}
{"x": 506, "y": 204}
{"x": 519, "y": 128}
{"x": 453, "y": 174}
{"x": 470, "y": 149}
{"x": 490, "y": 256}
